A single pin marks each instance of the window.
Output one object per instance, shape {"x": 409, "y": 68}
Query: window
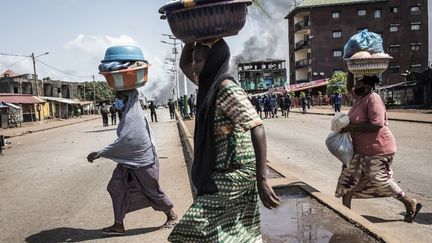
{"x": 415, "y": 46}
{"x": 415, "y": 26}
{"x": 415, "y": 10}
{"x": 394, "y": 27}
{"x": 335, "y": 14}
{"x": 361, "y": 12}
{"x": 15, "y": 90}
{"x": 337, "y": 53}
{"x": 394, "y": 10}
{"x": 394, "y": 69}
{"x": 337, "y": 34}
{"x": 394, "y": 48}
{"x": 377, "y": 13}
{"x": 416, "y": 68}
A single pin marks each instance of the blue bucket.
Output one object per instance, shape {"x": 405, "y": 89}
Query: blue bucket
{"x": 123, "y": 53}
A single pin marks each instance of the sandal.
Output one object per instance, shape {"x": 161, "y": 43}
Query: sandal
{"x": 410, "y": 216}
{"x": 113, "y": 231}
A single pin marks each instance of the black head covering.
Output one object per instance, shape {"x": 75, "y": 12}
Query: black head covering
{"x": 213, "y": 73}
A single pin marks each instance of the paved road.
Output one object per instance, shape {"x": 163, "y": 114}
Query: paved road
{"x": 50, "y": 193}
{"x": 298, "y": 142}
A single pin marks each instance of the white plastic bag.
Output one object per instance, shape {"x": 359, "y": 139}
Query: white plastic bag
{"x": 339, "y": 121}
{"x": 340, "y": 145}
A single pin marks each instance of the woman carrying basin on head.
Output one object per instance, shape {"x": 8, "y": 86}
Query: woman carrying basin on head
{"x": 369, "y": 174}
{"x": 229, "y": 164}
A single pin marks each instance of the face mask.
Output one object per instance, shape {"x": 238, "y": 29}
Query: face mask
{"x": 118, "y": 104}
{"x": 359, "y": 91}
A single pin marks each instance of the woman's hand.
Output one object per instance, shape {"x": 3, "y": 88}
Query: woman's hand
{"x": 345, "y": 129}
{"x": 92, "y": 156}
{"x": 267, "y": 195}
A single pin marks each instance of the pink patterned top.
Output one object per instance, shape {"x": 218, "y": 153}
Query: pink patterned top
{"x": 371, "y": 109}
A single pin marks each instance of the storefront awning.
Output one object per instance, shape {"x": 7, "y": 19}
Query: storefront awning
{"x": 13, "y": 106}
{"x": 308, "y": 85}
{"x": 19, "y": 99}
{"x": 398, "y": 85}
{"x": 62, "y": 100}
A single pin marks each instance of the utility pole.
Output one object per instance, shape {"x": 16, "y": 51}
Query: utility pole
{"x": 175, "y": 52}
{"x": 34, "y": 74}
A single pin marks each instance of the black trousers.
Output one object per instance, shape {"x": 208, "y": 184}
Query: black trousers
{"x": 153, "y": 116}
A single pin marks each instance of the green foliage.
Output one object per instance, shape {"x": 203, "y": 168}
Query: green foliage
{"x": 103, "y": 91}
{"x": 337, "y": 83}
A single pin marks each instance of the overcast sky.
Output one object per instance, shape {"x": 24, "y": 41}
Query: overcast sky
{"x": 76, "y": 34}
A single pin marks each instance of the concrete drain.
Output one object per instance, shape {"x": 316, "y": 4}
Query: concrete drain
{"x": 272, "y": 174}
{"x": 301, "y": 218}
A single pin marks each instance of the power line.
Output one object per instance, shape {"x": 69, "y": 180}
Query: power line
{"x": 58, "y": 70}
{"x": 16, "y": 62}
{"x": 13, "y": 55}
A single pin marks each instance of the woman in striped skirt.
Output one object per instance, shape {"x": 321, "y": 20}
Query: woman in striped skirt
{"x": 369, "y": 173}
{"x": 229, "y": 164}
{"x": 135, "y": 181}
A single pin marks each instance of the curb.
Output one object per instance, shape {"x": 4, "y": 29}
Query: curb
{"x": 50, "y": 128}
{"x": 291, "y": 180}
{"x": 390, "y": 119}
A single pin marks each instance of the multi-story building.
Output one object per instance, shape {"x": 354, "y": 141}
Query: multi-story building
{"x": 26, "y": 84}
{"x": 260, "y": 76}
{"x": 319, "y": 29}
{"x": 40, "y": 99}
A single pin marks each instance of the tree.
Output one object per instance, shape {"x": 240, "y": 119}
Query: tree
{"x": 103, "y": 92}
{"x": 337, "y": 83}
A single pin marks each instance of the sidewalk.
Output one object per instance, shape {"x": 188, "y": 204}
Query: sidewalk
{"x": 409, "y": 115}
{"x": 32, "y": 127}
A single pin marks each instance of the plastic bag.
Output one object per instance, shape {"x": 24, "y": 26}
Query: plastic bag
{"x": 340, "y": 145}
{"x": 339, "y": 121}
{"x": 363, "y": 41}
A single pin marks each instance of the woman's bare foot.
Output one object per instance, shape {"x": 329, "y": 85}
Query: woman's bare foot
{"x": 115, "y": 229}
{"x": 171, "y": 220}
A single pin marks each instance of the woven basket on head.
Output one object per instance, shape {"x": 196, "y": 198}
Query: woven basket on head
{"x": 368, "y": 66}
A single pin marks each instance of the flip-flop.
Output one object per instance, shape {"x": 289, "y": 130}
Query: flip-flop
{"x": 410, "y": 216}
{"x": 110, "y": 231}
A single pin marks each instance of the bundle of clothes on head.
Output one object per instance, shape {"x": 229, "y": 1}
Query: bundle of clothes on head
{"x": 120, "y": 65}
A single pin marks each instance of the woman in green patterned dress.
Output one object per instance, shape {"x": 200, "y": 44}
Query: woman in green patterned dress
{"x": 229, "y": 167}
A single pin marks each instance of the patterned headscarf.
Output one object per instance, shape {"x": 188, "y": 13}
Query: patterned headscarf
{"x": 135, "y": 145}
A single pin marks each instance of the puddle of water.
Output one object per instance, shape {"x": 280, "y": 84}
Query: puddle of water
{"x": 301, "y": 219}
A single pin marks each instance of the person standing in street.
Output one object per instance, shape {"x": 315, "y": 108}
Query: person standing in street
{"x": 303, "y": 102}
{"x": 191, "y": 103}
{"x": 113, "y": 112}
{"x": 119, "y": 107}
{"x": 134, "y": 183}
{"x": 171, "y": 108}
{"x": 337, "y": 102}
{"x": 104, "y": 113}
{"x": 369, "y": 174}
{"x": 287, "y": 104}
{"x": 181, "y": 106}
{"x": 153, "y": 114}
{"x": 229, "y": 167}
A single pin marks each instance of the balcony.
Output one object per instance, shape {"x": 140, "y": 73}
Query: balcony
{"x": 303, "y": 63}
{"x": 302, "y": 44}
{"x": 301, "y": 25}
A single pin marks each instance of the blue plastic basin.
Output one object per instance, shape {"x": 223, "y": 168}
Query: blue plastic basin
{"x": 123, "y": 53}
